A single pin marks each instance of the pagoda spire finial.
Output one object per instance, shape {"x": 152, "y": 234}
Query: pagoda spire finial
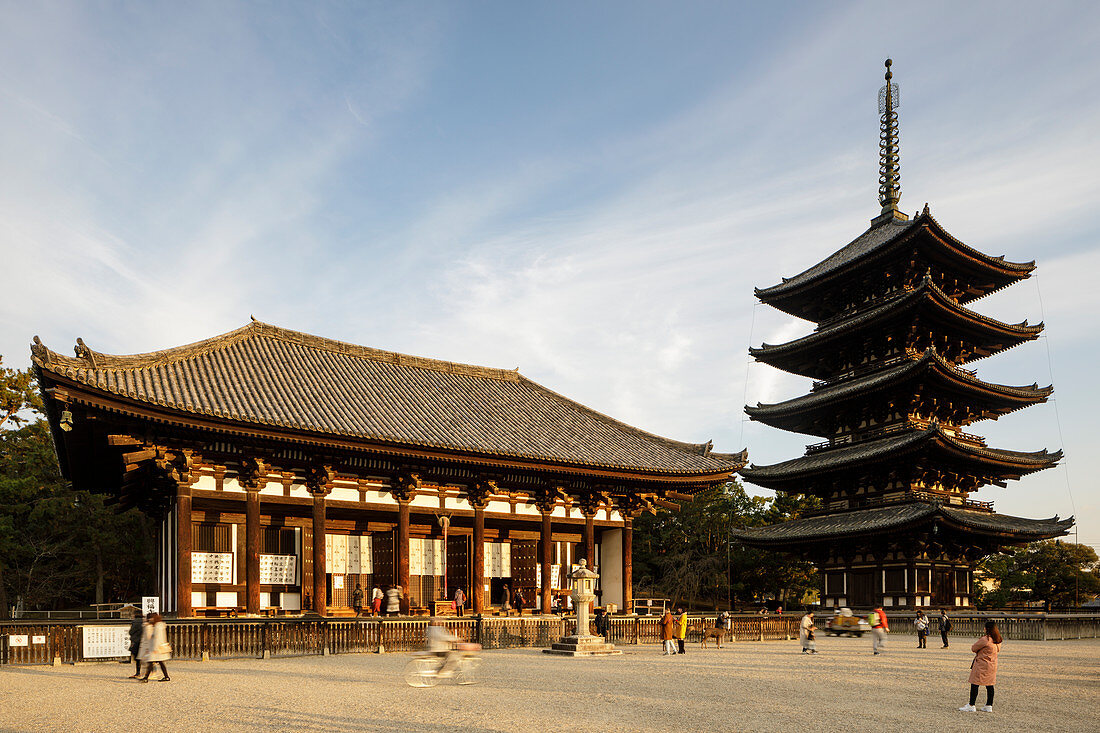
{"x": 889, "y": 178}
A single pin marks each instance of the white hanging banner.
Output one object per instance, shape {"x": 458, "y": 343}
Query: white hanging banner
{"x": 211, "y": 567}
{"x": 278, "y": 569}
{"x": 328, "y": 553}
{"x": 416, "y": 556}
{"x": 506, "y": 560}
{"x": 366, "y": 561}
{"x": 353, "y": 554}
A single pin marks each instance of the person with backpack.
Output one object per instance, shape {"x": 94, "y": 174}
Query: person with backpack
{"x": 945, "y": 626}
{"x": 879, "y": 629}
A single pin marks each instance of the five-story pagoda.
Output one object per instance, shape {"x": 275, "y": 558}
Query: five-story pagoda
{"x": 892, "y": 403}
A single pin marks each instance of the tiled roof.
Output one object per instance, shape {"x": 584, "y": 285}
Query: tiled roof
{"x": 891, "y": 447}
{"x": 879, "y": 237}
{"x": 926, "y": 292}
{"x": 896, "y": 516}
{"x": 798, "y": 410}
{"x": 267, "y": 375}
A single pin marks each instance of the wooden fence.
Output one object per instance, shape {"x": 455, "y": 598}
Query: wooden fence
{"x": 62, "y": 642}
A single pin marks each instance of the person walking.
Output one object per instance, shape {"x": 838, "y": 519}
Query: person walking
{"x": 724, "y": 621}
{"x": 154, "y": 646}
{"x": 983, "y": 670}
{"x": 376, "y": 601}
{"x": 460, "y": 601}
{"x": 921, "y": 622}
{"x": 357, "y": 600}
{"x": 681, "y": 629}
{"x": 137, "y": 629}
{"x": 393, "y": 600}
{"x": 601, "y": 622}
{"x": 517, "y": 601}
{"x": 506, "y": 601}
{"x": 668, "y": 633}
{"x": 945, "y": 626}
{"x": 806, "y": 629}
{"x": 879, "y": 629}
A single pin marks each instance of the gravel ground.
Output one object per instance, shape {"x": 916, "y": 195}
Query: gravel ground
{"x": 1052, "y": 685}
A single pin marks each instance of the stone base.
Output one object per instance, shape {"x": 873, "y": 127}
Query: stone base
{"x": 582, "y": 646}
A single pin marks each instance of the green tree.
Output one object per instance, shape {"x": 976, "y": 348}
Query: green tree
{"x": 1059, "y": 574}
{"x": 689, "y": 555}
{"x": 58, "y": 547}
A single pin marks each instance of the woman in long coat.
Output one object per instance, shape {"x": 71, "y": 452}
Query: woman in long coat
{"x": 983, "y": 670}
{"x": 154, "y": 646}
{"x": 667, "y": 633}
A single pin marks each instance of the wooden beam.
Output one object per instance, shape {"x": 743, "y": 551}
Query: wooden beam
{"x": 122, "y": 440}
{"x": 139, "y": 456}
{"x": 678, "y": 496}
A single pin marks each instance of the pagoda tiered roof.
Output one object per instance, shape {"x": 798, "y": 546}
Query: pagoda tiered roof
{"x": 316, "y": 390}
{"x": 812, "y": 413}
{"x": 902, "y": 517}
{"x": 802, "y": 295}
{"x": 934, "y": 442}
{"x": 986, "y": 336}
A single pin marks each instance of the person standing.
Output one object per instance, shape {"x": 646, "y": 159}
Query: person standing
{"x": 681, "y": 629}
{"x": 668, "y": 634}
{"x": 393, "y": 600}
{"x": 806, "y": 631}
{"x": 921, "y": 622}
{"x": 879, "y": 629}
{"x": 137, "y": 629}
{"x": 506, "y": 601}
{"x": 601, "y": 622}
{"x": 154, "y": 646}
{"x": 357, "y": 600}
{"x": 376, "y": 601}
{"x": 724, "y": 621}
{"x": 983, "y": 670}
{"x": 460, "y": 601}
{"x": 517, "y": 601}
{"x": 945, "y": 626}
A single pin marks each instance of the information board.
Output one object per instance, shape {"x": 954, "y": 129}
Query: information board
{"x": 211, "y": 567}
{"x": 106, "y": 641}
{"x": 278, "y": 569}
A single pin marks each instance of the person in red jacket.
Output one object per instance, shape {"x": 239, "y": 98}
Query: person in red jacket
{"x": 879, "y": 629}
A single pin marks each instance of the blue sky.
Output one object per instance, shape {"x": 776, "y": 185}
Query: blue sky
{"x": 589, "y": 191}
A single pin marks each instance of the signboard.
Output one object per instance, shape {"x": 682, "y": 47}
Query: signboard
{"x": 211, "y": 567}
{"x": 337, "y": 582}
{"x": 150, "y": 604}
{"x": 278, "y": 569}
{"x": 38, "y": 639}
{"x": 106, "y": 641}
{"x": 17, "y": 639}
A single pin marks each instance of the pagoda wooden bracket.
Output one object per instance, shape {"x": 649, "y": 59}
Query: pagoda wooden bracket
{"x": 252, "y": 472}
{"x": 404, "y": 485}
{"x": 319, "y": 478}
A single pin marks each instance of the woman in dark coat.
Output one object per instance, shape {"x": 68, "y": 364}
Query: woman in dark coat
{"x": 137, "y": 628}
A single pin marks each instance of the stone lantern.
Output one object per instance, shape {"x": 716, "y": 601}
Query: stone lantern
{"x": 581, "y": 643}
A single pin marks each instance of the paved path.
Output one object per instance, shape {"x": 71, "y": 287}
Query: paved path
{"x": 766, "y": 686}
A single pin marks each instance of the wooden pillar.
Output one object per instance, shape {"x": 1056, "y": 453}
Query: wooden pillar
{"x": 402, "y": 548}
{"x": 320, "y": 600}
{"x": 628, "y": 566}
{"x": 590, "y": 539}
{"x": 252, "y": 550}
{"x": 183, "y": 550}
{"x": 546, "y": 555}
{"x": 478, "y": 589}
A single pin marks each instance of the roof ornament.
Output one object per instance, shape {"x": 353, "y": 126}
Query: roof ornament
{"x": 39, "y": 351}
{"x": 83, "y": 352}
{"x": 889, "y": 178}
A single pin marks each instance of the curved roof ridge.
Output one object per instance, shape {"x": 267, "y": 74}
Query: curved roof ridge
{"x": 897, "y": 302}
{"x": 94, "y": 359}
{"x": 699, "y": 449}
{"x": 865, "y": 244}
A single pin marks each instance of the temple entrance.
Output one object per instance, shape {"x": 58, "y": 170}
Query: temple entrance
{"x": 943, "y": 587}
{"x": 861, "y": 587}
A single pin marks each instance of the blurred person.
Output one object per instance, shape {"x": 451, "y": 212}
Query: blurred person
{"x": 376, "y": 597}
{"x": 393, "y": 600}
{"x": 154, "y": 646}
{"x": 879, "y": 629}
{"x": 983, "y": 670}
{"x": 506, "y": 601}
